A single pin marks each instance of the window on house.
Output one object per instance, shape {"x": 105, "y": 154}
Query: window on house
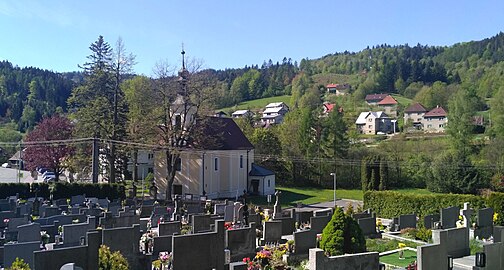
{"x": 178, "y": 165}
{"x": 441, "y": 125}
{"x": 150, "y": 170}
{"x": 216, "y": 164}
{"x": 269, "y": 182}
{"x": 241, "y": 161}
{"x": 429, "y": 126}
{"x": 370, "y": 126}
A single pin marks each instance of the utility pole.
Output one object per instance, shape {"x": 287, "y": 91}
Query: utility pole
{"x": 95, "y": 160}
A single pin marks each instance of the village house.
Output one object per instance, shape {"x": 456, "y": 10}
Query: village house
{"x": 435, "y": 120}
{"x": 338, "y": 89}
{"x": 389, "y": 106}
{"x": 274, "y": 113}
{"x": 220, "y": 114}
{"x": 414, "y": 115}
{"x": 374, "y": 123}
{"x": 329, "y": 107}
{"x": 242, "y": 113}
{"x": 373, "y": 99}
{"x": 144, "y": 163}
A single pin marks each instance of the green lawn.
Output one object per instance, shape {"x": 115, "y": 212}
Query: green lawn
{"x": 403, "y": 101}
{"x": 308, "y": 195}
{"x": 257, "y": 104}
{"x": 393, "y": 259}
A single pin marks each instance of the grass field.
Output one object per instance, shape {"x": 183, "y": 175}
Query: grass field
{"x": 393, "y": 259}
{"x": 290, "y": 196}
{"x": 258, "y": 103}
{"x": 403, "y": 101}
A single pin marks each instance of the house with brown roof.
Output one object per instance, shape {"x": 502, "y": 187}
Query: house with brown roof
{"x": 373, "y": 99}
{"x": 338, "y": 89}
{"x": 218, "y": 167}
{"x": 389, "y": 106}
{"x": 414, "y": 115}
{"x": 435, "y": 120}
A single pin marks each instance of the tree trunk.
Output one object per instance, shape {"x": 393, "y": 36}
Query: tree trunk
{"x": 111, "y": 161}
{"x": 135, "y": 168}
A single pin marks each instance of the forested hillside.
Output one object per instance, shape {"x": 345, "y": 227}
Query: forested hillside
{"x": 27, "y": 94}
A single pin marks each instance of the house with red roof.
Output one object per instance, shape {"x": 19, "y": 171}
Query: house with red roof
{"x": 338, "y": 89}
{"x": 373, "y": 99}
{"x": 389, "y": 106}
{"x": 435, "y": 120}
{"x": 414, "y": 114}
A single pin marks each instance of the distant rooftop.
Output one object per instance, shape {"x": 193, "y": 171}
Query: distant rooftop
{"x": 436, "y": 112}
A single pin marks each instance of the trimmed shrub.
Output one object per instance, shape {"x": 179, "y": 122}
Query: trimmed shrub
{"x": 496, "y": 201}
{"x": 19, "y": 264}
{"x": 390, "y": 204}
{"x": 342, "y": 235}
{"x": 110, "y": 191}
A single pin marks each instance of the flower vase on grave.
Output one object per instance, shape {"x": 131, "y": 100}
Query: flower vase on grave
{"x": 401, "y": 254}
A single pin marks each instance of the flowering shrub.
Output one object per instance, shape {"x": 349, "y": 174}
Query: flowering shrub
{"x": 268, "y": 258}
{"x": 44, "y": 237}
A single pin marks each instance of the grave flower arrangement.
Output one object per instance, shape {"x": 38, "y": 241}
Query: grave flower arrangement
{"x": 147, "y": 242}
{"x": 166, "y": 259}
{"x": 44, "y": 237}
{"x": 401, "y": 251}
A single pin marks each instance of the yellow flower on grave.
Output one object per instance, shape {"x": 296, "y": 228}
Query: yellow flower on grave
{"x": 495, "y": 217}
{"x": 378, "y": 222}
{"x": 461, "y": 217}
{"x": 402, "y": 245}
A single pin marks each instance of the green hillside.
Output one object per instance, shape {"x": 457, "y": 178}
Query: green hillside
{"x": 257, "y": 104}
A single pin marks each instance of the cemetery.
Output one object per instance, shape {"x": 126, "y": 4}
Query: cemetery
{"x": 193, "y": 232}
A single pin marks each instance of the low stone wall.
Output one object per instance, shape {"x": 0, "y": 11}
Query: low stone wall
{"x": 361, "y": 261}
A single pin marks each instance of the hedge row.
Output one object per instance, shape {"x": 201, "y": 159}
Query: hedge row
{"x": 110, "y": 191}
{"x": 62, "y": 190}
{"x": 390, "y": 204}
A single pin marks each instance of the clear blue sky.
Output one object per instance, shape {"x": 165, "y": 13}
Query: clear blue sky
{"x": 56, "y": 35}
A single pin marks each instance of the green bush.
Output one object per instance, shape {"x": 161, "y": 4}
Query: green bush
{"x": 390, "y": 204}
{"x": 342, "y": 235}
{"x": 111, "y": 191}
{"x": 108, "y": 260}
{"x": 19, "y": 264}
{"x": 424, "y": 234}
{"x": 496, "y": 201}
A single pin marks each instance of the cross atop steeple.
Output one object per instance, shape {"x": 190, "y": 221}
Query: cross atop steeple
{"x": 183, "y": 73}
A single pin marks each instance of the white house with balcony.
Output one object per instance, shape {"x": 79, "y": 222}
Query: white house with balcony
{"x": 274, "y": 113}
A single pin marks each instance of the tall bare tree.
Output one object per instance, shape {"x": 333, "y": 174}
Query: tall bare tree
{"x": 181, "y": 101}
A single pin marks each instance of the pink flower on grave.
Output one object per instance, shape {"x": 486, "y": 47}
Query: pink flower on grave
{"x": 164, "y": 257}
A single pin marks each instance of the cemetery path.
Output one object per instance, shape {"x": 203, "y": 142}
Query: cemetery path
{"x": 323, "y": 205}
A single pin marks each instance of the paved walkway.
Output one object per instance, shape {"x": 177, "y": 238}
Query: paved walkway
{"x": 323, "y": 205}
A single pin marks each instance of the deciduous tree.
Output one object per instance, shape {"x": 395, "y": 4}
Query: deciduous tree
{"x": 39, "y": 153}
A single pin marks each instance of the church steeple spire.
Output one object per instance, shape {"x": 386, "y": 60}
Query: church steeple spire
{"x": 183, "y": 73}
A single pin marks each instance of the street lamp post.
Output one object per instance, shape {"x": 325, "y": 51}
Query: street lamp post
{"x": 334, "y": 189}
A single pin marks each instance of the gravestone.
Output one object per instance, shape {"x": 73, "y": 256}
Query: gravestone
{"x": 368, "y": 226}
{"x": 200, "y": 223}
{"x": 407, "y": 221}
{"x": 277, "y": 208}
{"x": 236, "y": 209}
{"x": 123, "y": 240}
{"x": 272, "y": 231}
{"x": 72, "y": 233}
{"x": 304, "y": 217}
{"x": 241, "y": 242}
{"x": 484, "y": 223}
{"x": 304, "y": 240}
{"x": 103, "y": 203}
{"x": 449, "y": 217}
{"x": 169, "y": 228}
{"x": 255, "y": 218}
{"x": 29, "y": 233}
{"x": 219, "y": 209}
{"x": 317, "y": 224}
{"x": 60, "y": 202}
{"x": 20, "y": 250}
{"x": 466, "y": 213}
{"x": 50, "y": 211}
{"x": 228, "y": 213}
{"x": 323, "y": 212}
{"x": 78, "y": 200}
{"x": 429, "y": 220}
